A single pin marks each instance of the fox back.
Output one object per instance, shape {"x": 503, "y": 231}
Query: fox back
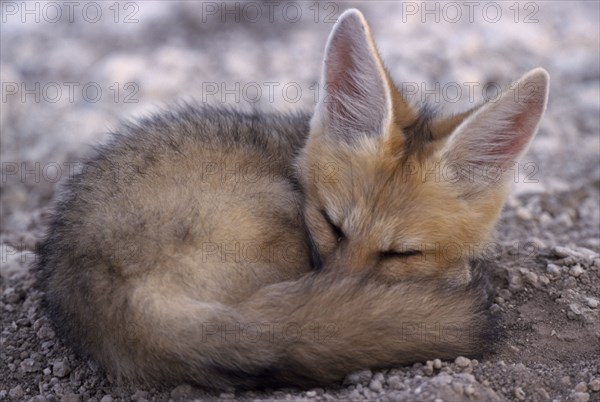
{"x": 232, "y": 249}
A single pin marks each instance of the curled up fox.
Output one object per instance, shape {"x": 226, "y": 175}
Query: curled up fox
{"x": 331, "y": 257}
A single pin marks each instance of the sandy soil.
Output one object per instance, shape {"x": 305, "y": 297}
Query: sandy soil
{"x": 65, "y": 83}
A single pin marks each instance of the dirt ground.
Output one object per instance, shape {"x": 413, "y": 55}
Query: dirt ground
{"x": 67, "y": 79}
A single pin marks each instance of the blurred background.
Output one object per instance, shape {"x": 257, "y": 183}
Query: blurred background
{"x": 69, "y": 72}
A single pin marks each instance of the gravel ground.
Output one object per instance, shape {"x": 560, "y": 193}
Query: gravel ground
{"x": 67, "y": 78}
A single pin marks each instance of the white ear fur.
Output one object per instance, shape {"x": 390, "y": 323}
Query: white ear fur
{"x": 355, "y": 100}
{"x": 499, "y": 133}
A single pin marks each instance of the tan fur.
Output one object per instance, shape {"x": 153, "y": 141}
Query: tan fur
{"x": 184, "y": 250}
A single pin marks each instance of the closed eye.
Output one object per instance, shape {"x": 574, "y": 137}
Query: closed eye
{"x": 398, "y": 254}
{"x": 339, "y": 234}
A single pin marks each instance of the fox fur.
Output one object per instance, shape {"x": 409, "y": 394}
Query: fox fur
{"x": 250, "y": 249}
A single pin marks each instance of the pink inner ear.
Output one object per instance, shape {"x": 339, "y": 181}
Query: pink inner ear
{"x": 355, "y": 97}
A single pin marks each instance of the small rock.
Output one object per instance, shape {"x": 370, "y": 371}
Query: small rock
{"x": 574, "y": 307}
{"x": 553, "y": 270}
{"x": 181, "y": 392}
{"x": 581, "y": 387}
{"x": 495, "y": 309}
{"x": 375, "y": 386}
{"x": 515, "y": 283}
{"x": 60, "y": 369}
{"x": 592, "y": 302}
{"x": 543, "y": 394}
{"x": 595, "y": 384}
{"x": 544, "y": 279}
{"x": 441, "y": 380}
{"x": 395, "y": 382}
{"x": 107, "y": 398}
{"x": 311, "y": 394}
{"x": 581, "y": 397}
{"x": 524, "y": 214}
{"x": 462, "y": 362}
{"x": 562, "y": 252}
{"x": 437, "y": 364}
{"x": 47, "y": 371}
{"x": 566, "y": 380}
{"x": 30, "y": 366}
{"x": 532, "y": 278}
{"x": 519, "y": 394}
{"x": 469, "y": 390}
{"x": 139, "y": 396}
{"x": 360, "y": 377}
{"x": 576, "y": 271}
{"x": 16, "y": 392}
{"x": 45, "y": 332}
{"x": 368, "y": 394}
{"x": 458, "y": 388}
{"x": 428, "y": 369}
{"x": 70, "y": 398}
{"x": 545, "y": 219}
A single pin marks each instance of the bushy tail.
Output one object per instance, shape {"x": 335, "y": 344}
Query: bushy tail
{"x": 307, "y": 332}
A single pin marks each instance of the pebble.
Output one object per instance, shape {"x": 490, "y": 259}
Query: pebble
{"x": 519, "y": 394}
{"x": 576, "y": 271}
{"x": 395, "y": 382}
{"x": 375, "y": 386}
{"x": 458, "y": 387}
{"x": 437, "y": 364}
{"x": 360, "y": 377}
{"x": 515, "y": 283}
{"x": 581, "y": 387}
{"x": 532, "y": 278}
{"x": 311, "y": 394}
{"x": 469, "y": 390}
{"x": 379, "y": 377}
{"x": 182, "y": 392}
{"x": 107, "y": 398}
{"x": 428, "y": 369}
{"x": 592, "y": 302}
{"x": 45, "y": 332}
{"x": 575, "y": 309}
{"x": 553, "y": 270}
{"x": 70, "y": 398}
{"x": 524, "y": 214}
{"x": 462, "y": 362}
{"x": 30, "y": 366}
{"x": 595, "y": 384}
{"x": 16, "y": 392}
{"x": 581, "y": 397}
{"x": 60, "y": 369}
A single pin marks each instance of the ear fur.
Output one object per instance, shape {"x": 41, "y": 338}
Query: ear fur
{"x": 497, "y": 134}
{"x": 355, "y": 98}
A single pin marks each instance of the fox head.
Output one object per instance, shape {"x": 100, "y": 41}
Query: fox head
{"x": 394, "y": 191}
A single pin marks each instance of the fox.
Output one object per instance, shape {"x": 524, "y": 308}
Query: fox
{"x": 249, "y": 249}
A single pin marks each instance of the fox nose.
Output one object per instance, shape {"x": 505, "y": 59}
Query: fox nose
{"x": 350, "y": 258}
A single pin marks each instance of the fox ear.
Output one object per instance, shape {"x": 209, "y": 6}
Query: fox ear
{"x": 497, "y": 134}
{"x": 355, "y": 100}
